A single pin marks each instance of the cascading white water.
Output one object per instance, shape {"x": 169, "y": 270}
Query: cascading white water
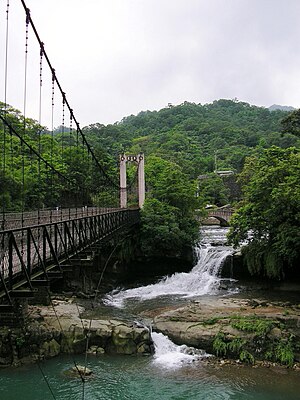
{"x": 169, "y": 355}
{"x": 203, "y": 279}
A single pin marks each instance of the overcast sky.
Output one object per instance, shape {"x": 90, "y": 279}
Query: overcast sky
{"x": 114, "y": 58}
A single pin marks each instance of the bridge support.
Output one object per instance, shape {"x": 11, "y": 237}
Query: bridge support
{"x": 139, "y": 159}
{"x": 14, "y": 315}
{"x": 41, "y": 295}
{"x": 141, "y": 180}
{"x": 123, "y": 184}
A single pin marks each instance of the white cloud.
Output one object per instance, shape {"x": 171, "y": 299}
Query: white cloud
{"x": 118, "y": 57}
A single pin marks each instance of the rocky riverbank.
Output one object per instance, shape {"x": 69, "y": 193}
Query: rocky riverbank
{"x": 240, "y": 329}
{"x": 235, "y": 330}
{"x": 56, "y": 329}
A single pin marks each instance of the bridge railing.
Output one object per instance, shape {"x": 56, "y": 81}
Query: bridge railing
{"x": 29, "y": 252}
{"x": 225, "y": 214}
{"x": 41, "y": 217}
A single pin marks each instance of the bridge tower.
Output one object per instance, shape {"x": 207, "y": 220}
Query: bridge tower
{"x": 139, "y": 160}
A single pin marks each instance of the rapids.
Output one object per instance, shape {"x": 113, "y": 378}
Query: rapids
{"x": 203, "y": 279}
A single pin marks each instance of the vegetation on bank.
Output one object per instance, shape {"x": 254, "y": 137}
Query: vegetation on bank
{"x": 257, "y": 342}
{"x": 268, "y": 217}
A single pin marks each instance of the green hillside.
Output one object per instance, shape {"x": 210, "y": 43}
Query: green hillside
{"x": 194, "y": 136}
{"x": 181, "y": 144}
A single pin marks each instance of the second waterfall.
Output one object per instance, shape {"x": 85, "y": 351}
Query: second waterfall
{"x": 203, "y": 279}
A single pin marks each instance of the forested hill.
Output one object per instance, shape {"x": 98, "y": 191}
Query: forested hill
{"x": 196, "y": 136}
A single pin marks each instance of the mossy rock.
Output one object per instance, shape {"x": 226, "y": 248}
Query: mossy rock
{"x": 50, "y": 349}
{"x": 66, "y": 343}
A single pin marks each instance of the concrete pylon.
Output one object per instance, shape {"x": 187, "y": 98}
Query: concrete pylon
{"x": 123, "y": 184}
{"x": 139, "y": 159}
{"x": 141, "y": 179}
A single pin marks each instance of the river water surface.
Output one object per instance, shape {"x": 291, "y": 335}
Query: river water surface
{"x": 142, "y": 378}
{"x": 173, "y": 372}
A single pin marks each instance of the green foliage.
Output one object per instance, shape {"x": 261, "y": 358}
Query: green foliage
{"x": 213, "y": 190}
{"x": 20, "y": 340}
{"x": 27, "y": 183}
{"x": 180, "y": 144}
{"x": 168, "y": 223}
{"x": 282, "y": 351}
{"x": 190, "y": 134}
{"x": 247, "y": 357}
{"x": 236, "y": 345}
{"x": 222, "y": 347}
{"x": 291, "y": 123}
{"x": 255, "y": 325}
{"x": 219, "y": 345}
{"x": 271, "y": 211}
{"x": 165, "y": 231}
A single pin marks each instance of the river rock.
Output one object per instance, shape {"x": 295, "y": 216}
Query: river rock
{"x": 48, "y": 338}
{"x": 50, "y": 349}
{"x": 77, "y": 371}
{"x": 199, "y": 323}
{"x": 82, "y": 370}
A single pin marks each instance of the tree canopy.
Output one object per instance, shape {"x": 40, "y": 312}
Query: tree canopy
{"x": 269, "y": 217}
{"x": 168, "y": 221}
{"x": 198, "y": 138}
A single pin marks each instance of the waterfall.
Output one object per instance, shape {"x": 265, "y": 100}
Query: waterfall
{"x": 169, "y": 355}
{"x": 203, "y": 279}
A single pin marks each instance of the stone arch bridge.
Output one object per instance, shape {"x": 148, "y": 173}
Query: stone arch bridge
{"x": 222, "y": 215}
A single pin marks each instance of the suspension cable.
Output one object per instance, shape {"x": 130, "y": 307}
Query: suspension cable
{"x": 93, "y": 306}
{"x": 6, "y": 55}
{"x": 67, "y": 103}
{"x": 62, "y": 145}
{"x": 33, "y": 150}
{"x": 5, "y": 111}
{"x": 52, "y": 132}
{"x": 24, "y": 129}
{"x": 81, "y": 375}
{"x": 39, "y": 133}
{"x": 46, "y": 380}
{"x": 70, "y": 144}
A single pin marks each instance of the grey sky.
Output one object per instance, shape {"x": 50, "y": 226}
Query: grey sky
{"x": 118, "y": 57}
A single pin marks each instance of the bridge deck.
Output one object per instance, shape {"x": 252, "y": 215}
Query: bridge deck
{"x": 31, "y": 252}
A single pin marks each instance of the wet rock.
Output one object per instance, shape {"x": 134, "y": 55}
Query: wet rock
{"x": 50, "y": 349}
{"x": 47, "y": 338}
{"x": 200, "y": 322}
{"x": 144, "y": 348}
{"x": 77, "y": 371}
{"x": 100, "y": 350}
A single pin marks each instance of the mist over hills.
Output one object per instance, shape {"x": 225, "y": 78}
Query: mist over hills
{"x": 276, "y": 107}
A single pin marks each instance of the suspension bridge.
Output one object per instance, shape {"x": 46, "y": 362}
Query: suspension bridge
{"x": 59, "y": 202}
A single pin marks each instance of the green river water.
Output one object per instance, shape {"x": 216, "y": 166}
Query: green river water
{"x": 140, "y": 378}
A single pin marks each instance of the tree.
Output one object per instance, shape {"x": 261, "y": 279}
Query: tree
{"x": 213, "y": 191}
{"x": 291, "y": 123}
{"x": 269, "y": 217}
{"x": 168, "y": 222}
{"x": 161, "y": 232}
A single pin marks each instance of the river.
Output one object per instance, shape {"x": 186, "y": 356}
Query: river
{"x": 173, "y": 372}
